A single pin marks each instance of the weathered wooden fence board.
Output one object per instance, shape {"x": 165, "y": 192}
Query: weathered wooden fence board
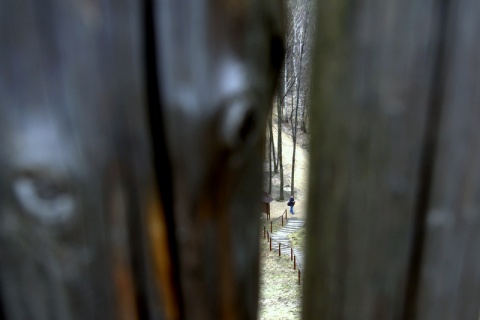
{"x": 449, "y": 283}
{"x": 75, "y": 178}
{"x": 85, "y": 233}
{"x": 217, "y": 62}
{"x": 392, "y": 229}
{"x": 85, "y": 230}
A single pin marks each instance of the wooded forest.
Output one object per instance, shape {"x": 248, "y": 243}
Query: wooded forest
{"x": 290, "y": 106}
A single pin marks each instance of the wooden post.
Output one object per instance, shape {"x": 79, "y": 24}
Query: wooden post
{"x": 264, "y": 231}
{"x": 299, "y": 276}
{"x": 294, "y": 262}
{"x": 291, "y": 253}
{"x": 279, "y": 250}
{"x": 282, "y": 220}
{"x": 270, "y": 243}
{"x": 271, "y": 226}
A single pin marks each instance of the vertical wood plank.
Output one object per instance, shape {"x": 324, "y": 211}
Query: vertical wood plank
{"x": 75, "y": 177}
{"x": 449, "y": 286}
{"x": 370, "y": 105}
{"x": 217, "y": 66}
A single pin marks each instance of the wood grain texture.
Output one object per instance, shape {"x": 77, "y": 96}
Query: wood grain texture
{"x": 216, "y": 70}
{"x": 449, "y": 284}
{"x": 74, "y": 162}
{"x": 370, "y": 105}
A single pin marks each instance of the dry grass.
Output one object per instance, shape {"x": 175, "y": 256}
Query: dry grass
{"x": 298, "y": 238}
{"x": 280, "y": 295}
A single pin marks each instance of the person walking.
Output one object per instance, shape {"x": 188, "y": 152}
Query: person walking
{"x": 291, "y": 203}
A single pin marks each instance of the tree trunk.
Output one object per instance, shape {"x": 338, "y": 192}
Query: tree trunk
{"x": 285, "y": 81}
{"x": 304, "y": 112}
{"x": 271, "y": 141}
{"x": 298, "y": 75}
{"x": 279, "y": 139}
{"x": 270, "y": 151}
{"x": 292, "y": 109}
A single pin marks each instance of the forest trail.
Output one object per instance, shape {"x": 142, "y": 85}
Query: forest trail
{"x": 301, "y": 173}
{"x": 281, "y": 237}
{"x": 280, "y": 294}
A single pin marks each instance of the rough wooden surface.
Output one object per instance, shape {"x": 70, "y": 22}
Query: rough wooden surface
{"x": 449, "y": 282}
{"x": 85, "y": 230}
{"x": 217, "y": 62}
{"x": 392, "y": 232}
{"x": 75, "y": 179}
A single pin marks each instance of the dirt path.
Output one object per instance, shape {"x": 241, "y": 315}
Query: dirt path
{"x": 280, "y": 295}
{"x": 301, "y": 177}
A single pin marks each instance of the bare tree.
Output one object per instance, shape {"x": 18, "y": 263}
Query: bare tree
{"x": 295, "y": 122}
{"x": 299, "y": 23}
{"x": 279, "y": 136}
{"x": 272, "y": 143}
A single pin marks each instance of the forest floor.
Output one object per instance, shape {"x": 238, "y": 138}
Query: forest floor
{"x": 277, "y": 206}
{"x": 280, "y": 294}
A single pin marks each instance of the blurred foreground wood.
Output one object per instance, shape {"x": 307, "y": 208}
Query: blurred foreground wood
{"x": 217, "y": 66}
{"x": 393, "y": 226}
{"x": 76, "y": 177}
{"x": 130, "y": 164}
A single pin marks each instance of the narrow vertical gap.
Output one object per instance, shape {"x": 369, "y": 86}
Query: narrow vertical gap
{"x": 427, "y": 163}
{"x": 162, "y": 163}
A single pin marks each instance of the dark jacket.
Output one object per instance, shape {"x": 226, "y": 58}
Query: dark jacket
{"x": 291, "y": 202}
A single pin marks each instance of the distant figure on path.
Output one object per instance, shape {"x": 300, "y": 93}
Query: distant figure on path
{"x": 291, "y": 203}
